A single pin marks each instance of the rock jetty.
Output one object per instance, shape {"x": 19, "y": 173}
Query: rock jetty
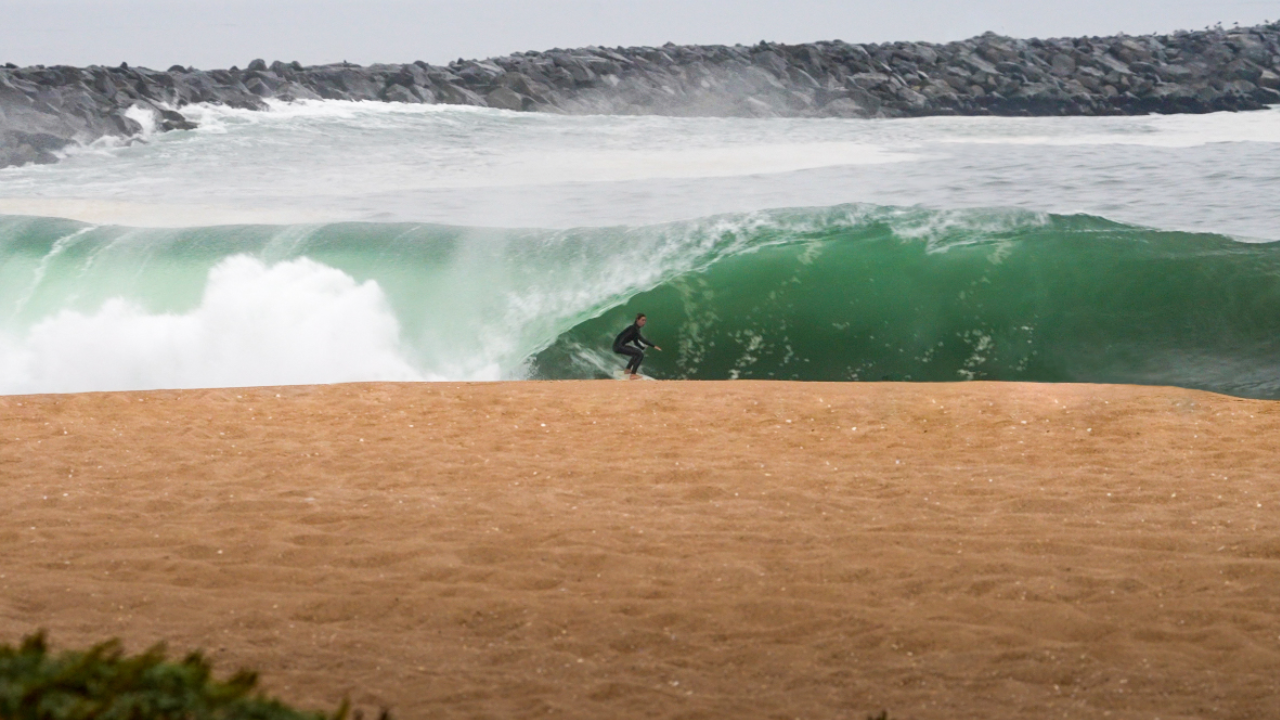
{"x": 44, "y": 109}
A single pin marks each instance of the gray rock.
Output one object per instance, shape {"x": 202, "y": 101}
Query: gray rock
{"x": 1144, "y": 68}
{"x": 1175, "y": 73}
{"x": 846, "y": 108}
{"x": 452, "y": 94}
{"x": 258, "y": 87}
{"x": 173, "y": 120}
{"x": 1062, "y": 65}
{"x": 507, "y": 99}
{"x": 20, "y": 148}
{"x": 292, "y": 92}
{"x": 1130, "y": 50}
{"x": 400, "y": 94}
{"x": 869, "y": 80}
{"x": 977, "y": 63}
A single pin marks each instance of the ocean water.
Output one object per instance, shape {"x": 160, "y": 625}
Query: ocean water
{"x": 331, "y": 242}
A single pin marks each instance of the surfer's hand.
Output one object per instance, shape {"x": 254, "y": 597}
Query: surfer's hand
{"x": 655, "y": 347}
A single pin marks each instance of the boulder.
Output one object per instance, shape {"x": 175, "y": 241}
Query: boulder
{"x": 292, "y": 92}
{"x": 1171, "y": 92}
{"x": 508, "y": 99}
{"x": 977, "y": 63}
{"x": 869, "y": 81}
{"x": 478, "y": 75}
{"x": 582, "y": 74}
{"x": 755, "y": 107}
{"x": 258, "y": 87}
{"x": 770, "y": 61}
{"x": 1130, "y": 50}
{"x": 912, "y": 99}
{"x": 1250, "y": 47}
{"x": 1243, "y": 70}
{"x": 1112, "y": 63}
{"x": 342, "y": 82}
{"x": 1175, "y": 73}
{"x": 523, "y": 84}
{"x": 173, "y": 120}
{"x": 452, "y": 94}
{"x": 400, "y": 94}
{"x": 21, "y": 148}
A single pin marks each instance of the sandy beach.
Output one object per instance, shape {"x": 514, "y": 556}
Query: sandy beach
{"x": 665, "y": 549}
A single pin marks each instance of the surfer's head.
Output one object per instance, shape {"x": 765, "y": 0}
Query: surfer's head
{"x": 640, "y": 320}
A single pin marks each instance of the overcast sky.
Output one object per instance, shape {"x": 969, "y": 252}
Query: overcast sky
{"x": 210, "y": 34}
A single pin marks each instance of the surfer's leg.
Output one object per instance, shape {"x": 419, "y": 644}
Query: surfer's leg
{"x": 635, "y": 355}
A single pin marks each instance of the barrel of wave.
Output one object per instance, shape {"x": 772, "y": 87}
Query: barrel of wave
{"x": 1062, "y": 299}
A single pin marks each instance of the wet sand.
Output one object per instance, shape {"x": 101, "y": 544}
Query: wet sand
{"x": 666, "y": 550}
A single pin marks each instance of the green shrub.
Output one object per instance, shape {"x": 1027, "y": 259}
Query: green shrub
{"x": 104, "y": 684}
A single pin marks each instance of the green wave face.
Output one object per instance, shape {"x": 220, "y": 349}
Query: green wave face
{"x": 925, "y": 296}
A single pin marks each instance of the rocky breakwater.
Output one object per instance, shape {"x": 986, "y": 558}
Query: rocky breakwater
{"x": 43, "y": 109}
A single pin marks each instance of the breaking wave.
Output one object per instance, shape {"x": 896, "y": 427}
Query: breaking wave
{"x": 851, "y": 292}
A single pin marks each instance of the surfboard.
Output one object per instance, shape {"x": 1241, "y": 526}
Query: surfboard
{"x": 624, "y": 375}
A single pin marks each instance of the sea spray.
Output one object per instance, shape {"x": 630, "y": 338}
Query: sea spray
{"x": 294, "y": 322}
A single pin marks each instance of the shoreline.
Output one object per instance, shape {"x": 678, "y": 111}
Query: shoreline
{"x": 607, "y": 549}
{"x": 45, "y": 109}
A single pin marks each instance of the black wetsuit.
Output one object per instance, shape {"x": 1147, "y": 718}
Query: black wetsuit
{"x": 625, "y": 344}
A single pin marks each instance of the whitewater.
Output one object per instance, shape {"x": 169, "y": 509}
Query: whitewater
{"x": 330, "y": 241}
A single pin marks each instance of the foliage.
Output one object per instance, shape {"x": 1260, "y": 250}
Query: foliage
{"x": 104, "y": 684}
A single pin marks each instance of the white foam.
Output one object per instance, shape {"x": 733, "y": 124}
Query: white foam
{"x": 296, "y": 322}
{"x": 160, "y": 214}
{"x": 1156, "y": 131}
{"x": 222, "y": 118}
{"x": 145, "y": 117}
{"x": 583, "y": 165}
{"x": 329, "y": 161}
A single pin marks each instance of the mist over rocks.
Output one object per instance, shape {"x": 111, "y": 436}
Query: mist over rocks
{"x": 44, "y": 109}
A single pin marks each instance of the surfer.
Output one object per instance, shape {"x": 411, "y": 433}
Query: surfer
{"x": 630, "y": 342}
